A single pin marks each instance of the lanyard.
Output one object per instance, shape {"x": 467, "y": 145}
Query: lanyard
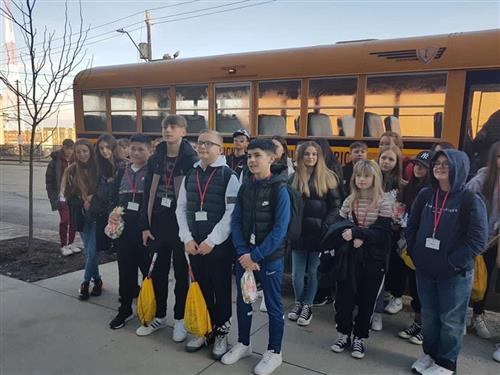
{"x": 205, "y": 188}
{"x": 438, "y": 214}
{"x": 168, "y": 180}
{"x": 132, "y": 184}
{"x": 363, "y": 224}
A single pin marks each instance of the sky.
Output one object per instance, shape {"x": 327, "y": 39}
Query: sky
{"x": 186, "y": 26}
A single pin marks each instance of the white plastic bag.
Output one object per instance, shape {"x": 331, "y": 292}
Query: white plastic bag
{"x": 248, "y": 287}
{"x": 114, "y": 231}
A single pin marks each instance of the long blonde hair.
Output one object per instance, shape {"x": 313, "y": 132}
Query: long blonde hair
{"x": 323, "y": 179}
{"x": 366, "y": 168}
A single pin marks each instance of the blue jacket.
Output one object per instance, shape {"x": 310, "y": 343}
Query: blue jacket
{"x": 463, "y": 227}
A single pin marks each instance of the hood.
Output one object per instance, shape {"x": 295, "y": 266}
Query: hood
{"x": 185, "y": 149}
{"x": 55, "y": 154}
{"x": 458, "y": 170}
{"x": 220, "y": 162}
{"x": 279, "y": 175}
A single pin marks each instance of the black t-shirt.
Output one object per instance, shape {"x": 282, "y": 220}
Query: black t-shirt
{"x": 237, "y": 163}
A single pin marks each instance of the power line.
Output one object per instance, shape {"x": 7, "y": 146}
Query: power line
{"x": 202, "y": 10}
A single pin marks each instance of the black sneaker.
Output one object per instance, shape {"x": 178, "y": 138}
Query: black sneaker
{"x": 305, "y": 316}
{"x": 322, "y": 300}
{"x": 343, "y": 341}
{"x": 358, "y": 348}
{"x": 120, "y": 320}
{"x": 84, "y": 291}
{"x": 295, "y": 313}
{"x": 411, "y": 331}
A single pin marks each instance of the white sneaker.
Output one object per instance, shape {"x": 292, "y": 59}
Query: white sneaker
{"x": 263, "y": 306}
{"x": 155, "y": 325}
{"x": 377, "y": 324}
{"x": 65, "y": 251}
{"x": 180, "y": 333}
{"x": 220, "y": 347}
{"x": 236, "y": 353}
{"x": 479, "y": 325}
{"x": 437, "y": 370}
{"x": 270, "y": 361}
{"x": 260, "y": 293}
{"x": 195, "y": 344}
{"x": 394, "y": 306}
{"x": 422, "y": 364}
{"x": 496, "y": 354}
{"x": 75, "y": 249}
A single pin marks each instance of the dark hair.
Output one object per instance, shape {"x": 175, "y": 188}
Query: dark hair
{"x": 395, "y": 136}
{"x": 105, "y": 167}
{"x": 265, "y": 144}
{"x": 444, "y": 146}
{"x": 392, "y": 179}
{"x": 491, "y": 176}
{"x": 358, "y": 144}
{"x": 142, "y": 138}
{"x": 330, "y": 158}
{"x": 174, "y": 120}
{"x": 123, "y": 142}
{"x": 415, "y": 184}
{"x": 283, "y": 143}
{"x": 68, "y": 143}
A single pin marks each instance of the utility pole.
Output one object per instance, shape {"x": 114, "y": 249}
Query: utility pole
{"x": 19, "y": 140}
{"x": 148, "y": 28}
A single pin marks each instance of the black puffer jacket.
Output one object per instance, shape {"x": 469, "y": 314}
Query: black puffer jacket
{"x": 319, "y": 213}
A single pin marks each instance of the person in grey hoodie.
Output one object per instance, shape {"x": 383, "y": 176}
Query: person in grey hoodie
{"x": 447, "y": 228}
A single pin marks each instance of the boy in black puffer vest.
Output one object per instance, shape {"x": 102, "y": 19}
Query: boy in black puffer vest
{"x": 206, "y": 201}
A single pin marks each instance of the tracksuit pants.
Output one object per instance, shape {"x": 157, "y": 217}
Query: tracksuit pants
{"x": 66, "y": 230}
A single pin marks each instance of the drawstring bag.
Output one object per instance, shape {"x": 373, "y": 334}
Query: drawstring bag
{"x": 406, "y": 259}
{"x": 248, "y": 287}
{"x": 146, "y": 302}
{"x": 196, "y": 316}
{"x": 480, "y": 279}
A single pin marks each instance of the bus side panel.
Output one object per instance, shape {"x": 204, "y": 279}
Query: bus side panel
{"x": 453, "y": 107}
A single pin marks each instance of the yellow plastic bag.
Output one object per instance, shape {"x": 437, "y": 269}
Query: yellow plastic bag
{"x": 480, "y": 279}
{"x": 196, "y": 316}
{"x": 146, "y": 302}
{"x": 406, "y": 259}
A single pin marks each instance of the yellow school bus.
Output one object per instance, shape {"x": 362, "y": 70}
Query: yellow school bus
{"x": 428, "y": 89}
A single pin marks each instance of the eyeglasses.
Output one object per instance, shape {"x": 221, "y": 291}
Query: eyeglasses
{"x": 443, "y": 164}
{"x": 207, "y": 144}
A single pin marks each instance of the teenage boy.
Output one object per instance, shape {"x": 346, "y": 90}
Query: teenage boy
{"x": 128, "y": 193}
{"x": 53, "y": 177}
{"x": 258, "y": 227}
{"x": 358, "y": 151}
{"x": 172, "y": 159}
{"x": 238, "y": 159}
{"x": 206, "y": 201}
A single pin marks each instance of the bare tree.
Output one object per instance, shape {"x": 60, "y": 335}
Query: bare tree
{"x": 46, "y": 71}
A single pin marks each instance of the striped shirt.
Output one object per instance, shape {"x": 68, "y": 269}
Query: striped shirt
{"x": 364, "y": 218}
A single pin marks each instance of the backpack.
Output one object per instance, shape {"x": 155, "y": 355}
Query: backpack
{"x": 293, "y": 235}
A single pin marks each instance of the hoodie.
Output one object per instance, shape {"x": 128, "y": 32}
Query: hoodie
{"x": 462, "y": 229}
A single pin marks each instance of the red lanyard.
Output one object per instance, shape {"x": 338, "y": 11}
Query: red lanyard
{"x": 204, "y": 192}
{"x": 438, "y": 213}
{"x": 363, "y": 224}
{"x": 168, "y": 180}
{"x": 133, "y": 185}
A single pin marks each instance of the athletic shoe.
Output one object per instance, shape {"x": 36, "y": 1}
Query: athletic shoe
{"x": 479, "y": 325}
{"x": 97, "y": 288}
{"x": 180, "y": 333}
{"x": 74, "y": 249}
{"x": 155, "y": 325}
{"x": 295, "y": 313}
{"x": 66, "y": 250}
{"x": 394, "y": 306}
{"x": 236, "y": 353}
{"x": 377, "y": 324}
{"x": 322, "y": 301}
{"x": 306, "y": 316}
{"x": 270, "y": 361}
{"x": 437, "y": 370}
{"x": 220, "y": 346}
{"x": 195, "y": 344}
{"x": 263, "y": 306}
{"x": 358, "y": 348}
{"x": 422, "y": 364}
{"x": 121, "y": 319}
{"x": 343, "y": 341}
{"x": 496, "y": 353}
{"x": 418, "y": 339}
{"x": 387, "y": 296}
{"x": 413, "y": 329}
{"x": 84, "y": 291}
{"x": 260, "y": 293}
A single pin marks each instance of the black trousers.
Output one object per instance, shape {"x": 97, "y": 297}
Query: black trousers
{"x": 369, "y": 285}
{"x": 214, "y": 274}
{"x": 412, "y": 281}
{"x": 490, "y": 256}
{"x": 396, "y": 275}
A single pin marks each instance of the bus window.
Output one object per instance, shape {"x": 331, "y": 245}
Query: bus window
{"x": 123, "y": 110}
{"x": 232, "y": 102}
{"x": 94, "y": 111}
{"x": 408, "y": 104}
{"x": 155, "y": 107}
{"x": 279, "y": 107}
{"x": 192, "y": 103}
{"x": 331, "y": 106}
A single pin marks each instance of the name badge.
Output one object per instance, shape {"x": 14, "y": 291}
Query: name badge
{"x": 201, "y": 216}
{"x": 432, "y": 243}
{"x": 252, "y": 239}
{"x": 166, "y": 202}
{"x": 133, "y": 206}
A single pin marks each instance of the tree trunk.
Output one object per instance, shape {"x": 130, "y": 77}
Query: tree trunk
{"x": 30, "y": 190}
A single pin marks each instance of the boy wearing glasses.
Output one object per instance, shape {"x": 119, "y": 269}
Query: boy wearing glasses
{"x": 173, "y": 158}
{"x": 207, "y": 197}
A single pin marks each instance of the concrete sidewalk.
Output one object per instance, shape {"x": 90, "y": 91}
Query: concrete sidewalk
{"x": 45, "y": 329}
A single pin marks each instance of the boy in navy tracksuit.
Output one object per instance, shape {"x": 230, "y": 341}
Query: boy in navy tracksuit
{"x": 131, "y": 254}
{"x": 206, "y": 201}
{"x": 259, "y": 227}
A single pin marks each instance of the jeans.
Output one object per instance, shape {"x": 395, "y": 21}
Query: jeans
{"x": 300, "y": 261}
{"x": 271, "y": 275}
{"x": 91, "y": 257}
{"x": 444, "y": 307}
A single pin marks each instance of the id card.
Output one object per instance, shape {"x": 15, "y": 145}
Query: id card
{"x": 133, "y": 206}
{"x": 166, "y": 202}
{"x": 252, "y": 239}
{"x": 432, "y": 243}
{"x": 201, "y": 216}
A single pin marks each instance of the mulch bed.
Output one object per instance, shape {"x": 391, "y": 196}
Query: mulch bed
{"x": 45, "y": 261}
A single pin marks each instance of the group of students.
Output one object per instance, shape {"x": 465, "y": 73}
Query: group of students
{"x": 218, "y": 217}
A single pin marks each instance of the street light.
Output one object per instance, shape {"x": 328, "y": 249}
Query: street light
{"x": 142, "y": 53}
